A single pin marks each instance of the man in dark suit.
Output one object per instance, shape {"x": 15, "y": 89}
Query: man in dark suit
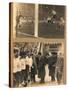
{"x": 41, "y": 67}
{"x": 51, "y": 62}
{"x": 33, "y": 69}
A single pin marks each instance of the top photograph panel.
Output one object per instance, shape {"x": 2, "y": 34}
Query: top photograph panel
{"x": 38, "y": 20}
{"x": 51, "y": 21}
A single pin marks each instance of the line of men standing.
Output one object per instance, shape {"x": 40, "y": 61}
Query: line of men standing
{"x": 27, "y": 65}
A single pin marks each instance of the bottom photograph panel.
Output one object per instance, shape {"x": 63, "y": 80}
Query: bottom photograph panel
{"x": 37, "y": 64}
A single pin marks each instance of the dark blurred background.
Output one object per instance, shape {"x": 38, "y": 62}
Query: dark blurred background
{"x": 52, "y": 19}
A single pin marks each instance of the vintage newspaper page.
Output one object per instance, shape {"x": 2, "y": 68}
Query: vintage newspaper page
{"x": 37, "y": 45}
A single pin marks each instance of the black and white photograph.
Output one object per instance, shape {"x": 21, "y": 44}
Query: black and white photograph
{"x": 51, "y": 21}
{"x": 23, "y": 19}
{"x": 33, "y": 44}
{"x": 39, "y": 20}
{"x": 38, "y": 64}
{"x": 37, "y": 45}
